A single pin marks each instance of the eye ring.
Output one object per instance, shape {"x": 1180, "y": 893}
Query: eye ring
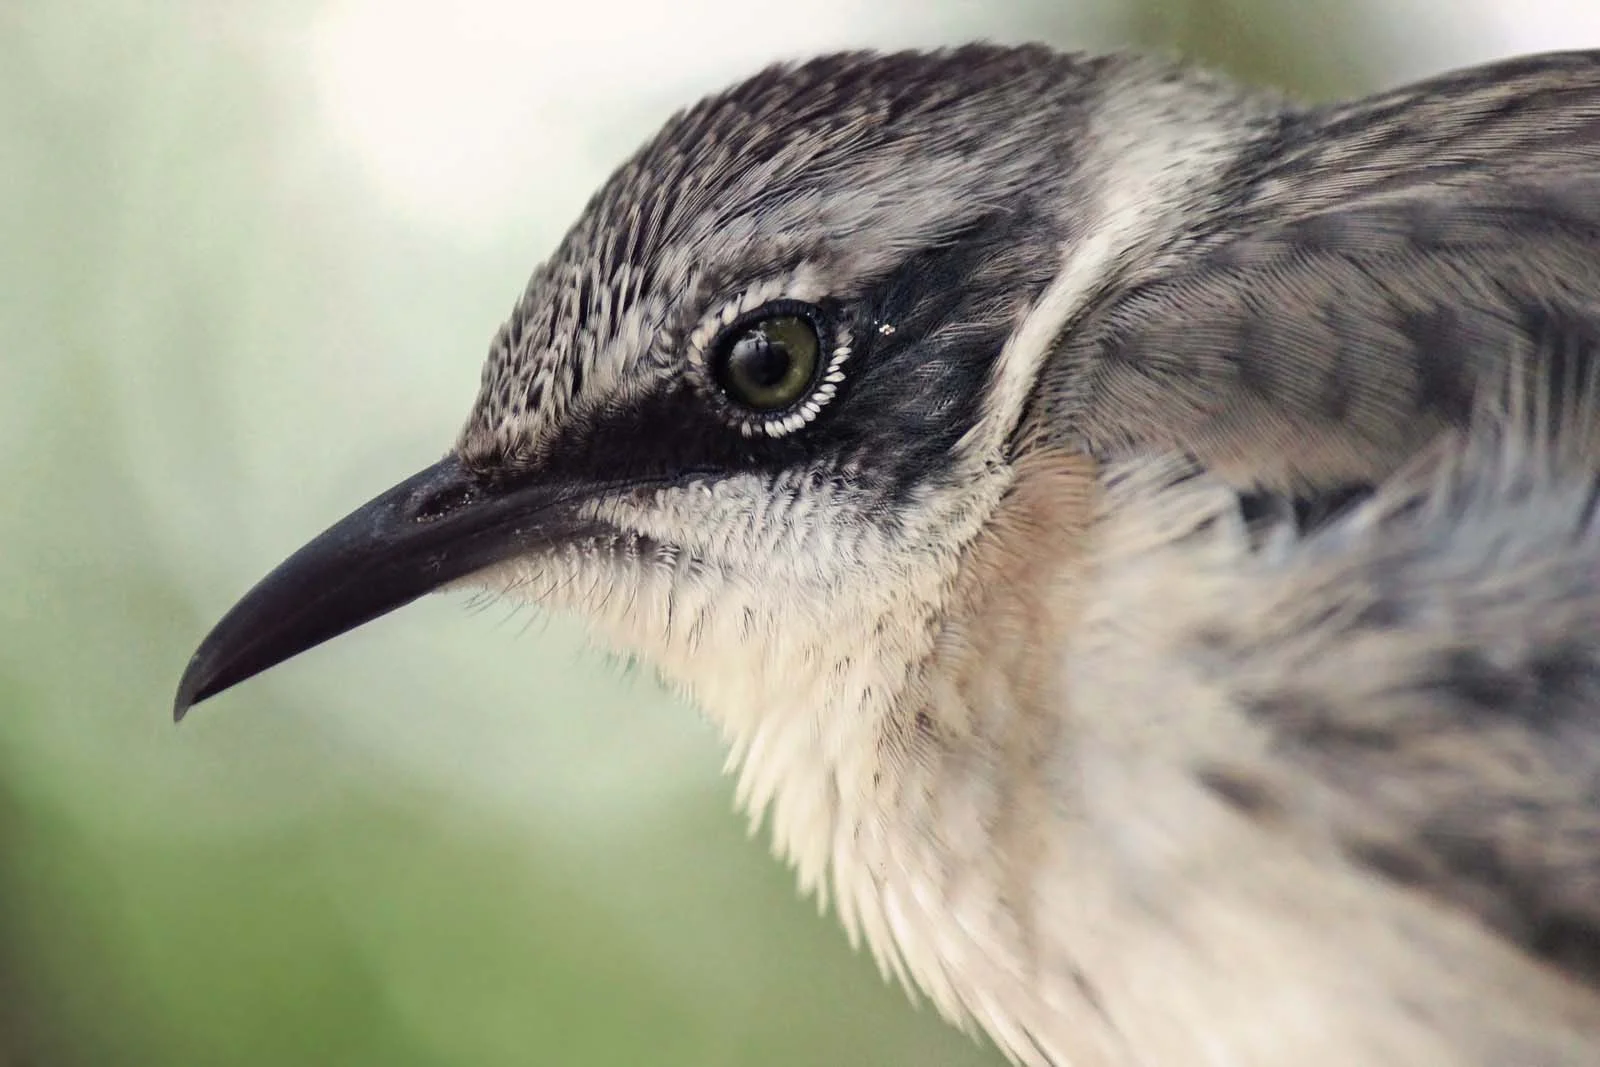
{"x": 773, "y": 367}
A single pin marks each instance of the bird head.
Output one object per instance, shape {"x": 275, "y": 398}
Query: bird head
{"x": 748, "y": 416}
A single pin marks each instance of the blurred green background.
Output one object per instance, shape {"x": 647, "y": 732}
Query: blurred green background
{"x": 250, "y": 256}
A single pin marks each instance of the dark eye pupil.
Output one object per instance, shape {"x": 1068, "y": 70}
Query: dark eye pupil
{"x": 771, "y": 363}
{"x": 759, "y": 361}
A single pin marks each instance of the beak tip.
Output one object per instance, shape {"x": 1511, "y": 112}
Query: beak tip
{"x": 191, "y": 690}
{"x": 204, "y": 677}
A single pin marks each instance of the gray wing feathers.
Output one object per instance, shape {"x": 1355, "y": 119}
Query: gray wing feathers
{"x": 1369, "y": 283}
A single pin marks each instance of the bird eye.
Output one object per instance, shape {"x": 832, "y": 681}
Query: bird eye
{"x": 769, "y": 363}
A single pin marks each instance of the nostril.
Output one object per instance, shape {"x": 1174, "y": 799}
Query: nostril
{"x": 436, "y": 503}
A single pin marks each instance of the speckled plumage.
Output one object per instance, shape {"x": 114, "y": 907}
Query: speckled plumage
{"x": 1168, "y": 630}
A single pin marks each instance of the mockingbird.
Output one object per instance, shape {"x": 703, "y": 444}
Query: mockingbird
{"x": 1138, "y": 536}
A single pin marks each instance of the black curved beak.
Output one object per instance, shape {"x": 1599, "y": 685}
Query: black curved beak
{"x": 432, "y": 528}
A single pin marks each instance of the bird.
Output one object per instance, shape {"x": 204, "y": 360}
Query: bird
{"x": 1137, "y": 535}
